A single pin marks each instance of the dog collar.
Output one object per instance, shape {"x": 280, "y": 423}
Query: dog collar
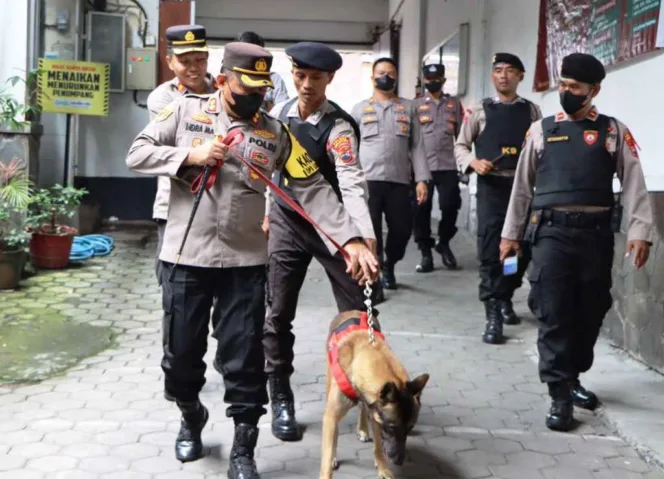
{"x": 341, "y": 331}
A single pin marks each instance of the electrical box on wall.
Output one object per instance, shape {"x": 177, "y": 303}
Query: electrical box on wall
{"x": 106, "y": 43}
{"x": 141, "y": 68}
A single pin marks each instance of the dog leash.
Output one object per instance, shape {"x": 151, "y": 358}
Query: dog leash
{"x": 202, "y": 181}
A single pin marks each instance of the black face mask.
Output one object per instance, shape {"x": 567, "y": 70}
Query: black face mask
{"x": 434, "y": 86}
{"x": 572, "y": 103}
{"x": 246, "y": 106}
{"x": 385, "y": 83}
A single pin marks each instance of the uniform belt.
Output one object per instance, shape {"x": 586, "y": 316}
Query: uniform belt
{"x": 577, "y": 219}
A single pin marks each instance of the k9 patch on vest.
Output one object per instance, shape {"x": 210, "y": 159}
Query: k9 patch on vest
{"x": 299, "y": 164}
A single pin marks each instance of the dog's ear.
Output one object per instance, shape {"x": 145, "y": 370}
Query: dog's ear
{"x": 416, "y": 385}
{"x": 389, "y": 393}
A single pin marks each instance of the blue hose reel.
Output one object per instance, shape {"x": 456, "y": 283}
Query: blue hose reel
{"x": 86, "y": 247}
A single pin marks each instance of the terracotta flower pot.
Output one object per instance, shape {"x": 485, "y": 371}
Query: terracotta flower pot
{"x": 51, "y": 251}
{"x": 11, "y": 268}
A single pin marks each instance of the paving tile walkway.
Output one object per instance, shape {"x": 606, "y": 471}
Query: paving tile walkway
{"x": 483, "y": 412}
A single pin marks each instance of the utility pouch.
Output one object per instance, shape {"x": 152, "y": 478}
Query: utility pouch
{"x": 534, "y": 222}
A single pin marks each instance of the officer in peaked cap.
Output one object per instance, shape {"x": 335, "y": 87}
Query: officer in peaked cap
{"x": 330, "y": 136}
{"x": 439, "y": 116}
{"x": 183, "y": 42}
{"x": 497, "y": 126}
{"x": 186, "y": 38}
{"x": 223, "y": 263}
{"x": 565, "y": 175}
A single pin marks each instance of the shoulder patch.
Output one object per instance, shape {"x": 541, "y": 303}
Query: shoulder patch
{"x": 343, "y": 150}
{"x": 299, "y": 164}
{"x": 164, "y": 114}
{"x": 631, "y": 143}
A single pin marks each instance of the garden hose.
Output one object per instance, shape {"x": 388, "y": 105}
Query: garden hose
{"x": 86, "y": 247}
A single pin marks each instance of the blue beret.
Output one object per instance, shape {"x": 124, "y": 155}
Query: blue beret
{"x": 314, "y": 55}
{"x": 433, "y": 70}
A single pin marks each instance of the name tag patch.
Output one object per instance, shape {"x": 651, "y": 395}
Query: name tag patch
{"x": 196, "y": 128}
{"x": 554, "y": 139}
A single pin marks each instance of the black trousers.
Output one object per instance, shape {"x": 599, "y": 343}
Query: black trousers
{"x": 570, "y": 295}
{"x": 449, "y": 202}
{"x": 161, "y": 228}
{"x": 237, "y": 321}
{"x": 493, "y": 197}
{"x": 291, "y": 245}
{"x": 392, "y": 200}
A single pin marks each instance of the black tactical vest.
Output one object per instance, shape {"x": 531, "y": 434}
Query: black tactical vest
{"x": 314, "y": 139}
{"x": 504, "y": 132}
{"x": 575, "y": 167}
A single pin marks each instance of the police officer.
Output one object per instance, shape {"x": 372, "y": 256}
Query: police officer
{"x": 187, "y": 57}
{"x": 497, "y": 126}
{"x": 389, "y": 138}
{"x": 439, "y": 116}
{"x": 329, "y": 135}
{"x": 278, "y": 93}
{"x": 225, "y": 255}
{"x": 569, "y": 160}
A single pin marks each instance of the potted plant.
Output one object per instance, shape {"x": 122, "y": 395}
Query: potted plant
{"x": 50, "y": 244}
{"x": 20, "y": 128}
{"x": 14, "y": 199}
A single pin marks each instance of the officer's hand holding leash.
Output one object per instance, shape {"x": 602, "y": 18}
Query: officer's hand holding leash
{"x": 640, "y": 250}
{"x": 362, "y": 262}
{"x": 209, "y": 154}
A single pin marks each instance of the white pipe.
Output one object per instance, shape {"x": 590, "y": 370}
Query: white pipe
{"x": 75, "y": 124}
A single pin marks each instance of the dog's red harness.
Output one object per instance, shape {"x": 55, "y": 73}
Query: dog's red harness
{"x": 344, "y": 329}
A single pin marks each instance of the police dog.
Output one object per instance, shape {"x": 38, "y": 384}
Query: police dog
{"x": 379, "y": 383}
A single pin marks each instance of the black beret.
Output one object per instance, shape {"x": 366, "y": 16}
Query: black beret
{"x": 583, "y": 67}
{"x": 314, "y": 55}
{"x": 509, "y": 59}
{"x": 252, "y": 62}
{"x": 186, "y": 38}
{"x": 433, "y": 70}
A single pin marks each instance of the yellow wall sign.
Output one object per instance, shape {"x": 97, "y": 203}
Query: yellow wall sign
{"x": 68, "y": 86}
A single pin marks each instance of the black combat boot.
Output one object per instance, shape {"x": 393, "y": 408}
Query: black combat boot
{"x": 561, "y": 414}
{"x": 188, "y": 445}
{"x": 389, "y": 280}
{"x": 449, "y": 260}
{"x": 507, "y": 312}
{"x": 243, "y": 465}
{"x": 284, "y": 425}
{"x": 582, "y": 397}
{"x": 493, "y": 333}
{"x": 426, "y": 265}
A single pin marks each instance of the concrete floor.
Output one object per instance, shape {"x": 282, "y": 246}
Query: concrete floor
{"x": 482, "y": 416}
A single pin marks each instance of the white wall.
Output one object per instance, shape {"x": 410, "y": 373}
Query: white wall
{"x": 104, "y": 141}
{"x": 493, "y": 29}
{"x": 14, "y": 43}
{"x": 313, "y": 20}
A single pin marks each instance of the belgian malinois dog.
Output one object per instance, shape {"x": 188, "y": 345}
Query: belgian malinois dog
{"x": 376, "y": 381}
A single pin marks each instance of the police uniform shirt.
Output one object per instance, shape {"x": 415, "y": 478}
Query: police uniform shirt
{"x": 161, "y": 97}
{"x": 226, "y": 230}
{"x": 343, "y": 153}
{"x": 278, "y": 93}
{"x": 635, "y": 193}
{"x": 390, "y": 135}
{"x": 440, "y": 122}
{"x": 473, "y": 124}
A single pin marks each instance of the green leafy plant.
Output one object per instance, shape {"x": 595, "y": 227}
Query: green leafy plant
{"x": 15, "y": 196}
{"x": 14, "y": 113}
{"x": 49, "y": 204}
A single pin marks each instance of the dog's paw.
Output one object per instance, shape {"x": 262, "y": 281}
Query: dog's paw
{"x": 363, "y": 436}
{"x": 383, "y": 471}
{"x": 335, "y": 464}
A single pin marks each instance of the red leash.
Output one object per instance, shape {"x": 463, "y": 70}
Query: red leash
{"x": 235, "y": 137}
